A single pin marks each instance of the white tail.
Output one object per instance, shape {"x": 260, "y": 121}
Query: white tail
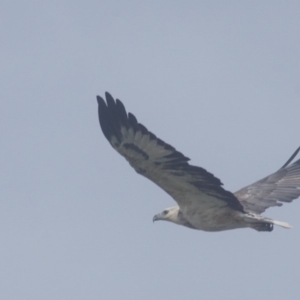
{"x": 282, "y": 224}
{"x": 253, "y": 218}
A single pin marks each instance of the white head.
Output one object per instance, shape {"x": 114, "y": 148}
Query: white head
{"x": 174, "y": 215}
{"x": 169, "y": 214}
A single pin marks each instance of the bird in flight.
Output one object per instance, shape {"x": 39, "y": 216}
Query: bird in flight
{"x": 203, "y": 203}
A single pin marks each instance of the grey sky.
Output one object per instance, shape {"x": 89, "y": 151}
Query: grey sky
{"x": 219, "y": 80}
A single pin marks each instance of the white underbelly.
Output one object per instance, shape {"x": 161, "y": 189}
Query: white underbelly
{"x": 215, "y": 219}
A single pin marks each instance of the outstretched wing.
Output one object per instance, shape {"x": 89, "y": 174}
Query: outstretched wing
{"x": 158, "y": 161}
{"x": 281, "y": 186}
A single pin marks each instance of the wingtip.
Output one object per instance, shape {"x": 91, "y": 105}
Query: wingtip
{"x": 109, "y": 100}
{"x": 100, "y": 100}
{"x": 109, "y": 97}
{"x": 291, "y": 158}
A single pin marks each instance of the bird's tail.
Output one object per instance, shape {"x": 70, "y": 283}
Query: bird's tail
{"x": 282, "y": 224}
{"x": 261, "y": 223}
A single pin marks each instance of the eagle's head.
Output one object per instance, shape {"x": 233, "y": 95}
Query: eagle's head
{"x": 169, "y": 214}
{"x": 174, "y": 215}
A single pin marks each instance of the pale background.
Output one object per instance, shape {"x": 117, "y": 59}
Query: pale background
{"x": 219, "y": 80}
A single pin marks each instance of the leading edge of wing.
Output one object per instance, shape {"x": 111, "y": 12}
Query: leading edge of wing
{"x": 124, "y": 133}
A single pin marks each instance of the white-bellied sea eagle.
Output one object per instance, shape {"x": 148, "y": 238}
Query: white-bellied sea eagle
{"x": 202, "y": 201}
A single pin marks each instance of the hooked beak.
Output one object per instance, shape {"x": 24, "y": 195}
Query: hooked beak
{"x": 155, "y": 218}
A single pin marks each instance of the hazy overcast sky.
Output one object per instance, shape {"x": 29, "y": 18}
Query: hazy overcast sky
{"x": 219, "y": 80}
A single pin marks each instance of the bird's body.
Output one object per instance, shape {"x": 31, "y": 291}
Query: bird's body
{"x": 203, "y": 203}
{"x": 226, "y": 217}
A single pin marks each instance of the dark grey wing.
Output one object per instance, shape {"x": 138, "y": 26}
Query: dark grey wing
{"x": 189, "y": 185}
{"x": 281, "y": 186}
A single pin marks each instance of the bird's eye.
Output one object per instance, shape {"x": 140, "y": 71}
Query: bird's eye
{"x": 165, "y": 212}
